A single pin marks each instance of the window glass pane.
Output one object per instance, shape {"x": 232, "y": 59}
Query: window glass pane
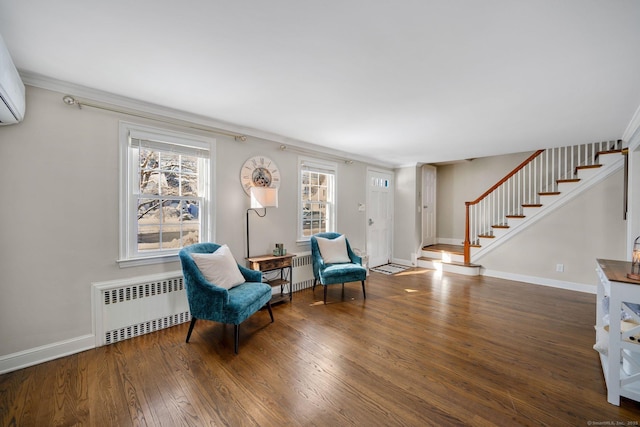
{"x": 167, "y": 223}
{"x": 316, "y": 201}
{"x": 150, "y": 178}
{"x": 171, "y": 236}
{"x": 190, "y": 233}
{"x": 168, "y": 174}
{"x": 148, "y": 211}
{"x": 148, "y": 238}
{"x": 189, "y": 176}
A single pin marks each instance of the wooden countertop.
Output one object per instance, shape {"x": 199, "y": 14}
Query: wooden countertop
{"x": 261, "y": 258}
{"x": 617, "y": 270}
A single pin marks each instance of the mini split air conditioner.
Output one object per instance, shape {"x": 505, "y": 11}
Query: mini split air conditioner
{"x": 12, "y": 101}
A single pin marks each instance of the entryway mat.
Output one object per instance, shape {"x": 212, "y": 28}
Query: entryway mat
{"x": 389, "y": 268}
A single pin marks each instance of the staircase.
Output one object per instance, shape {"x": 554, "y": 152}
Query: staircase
{"x": 542, "y": 183}
{"x": 447, "y": 258}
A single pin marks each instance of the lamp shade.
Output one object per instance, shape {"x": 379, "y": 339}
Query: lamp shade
{"x": 264, "y": 197}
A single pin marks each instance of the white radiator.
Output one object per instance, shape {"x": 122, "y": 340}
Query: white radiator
{"x": 128, "y": 308}
{"x": 131, "y": 307}
{"x": 302, "y": 271}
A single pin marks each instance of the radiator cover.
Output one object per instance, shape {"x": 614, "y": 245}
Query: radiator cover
{"x": 131, "y": 307}
{"x": 128, "y": 308}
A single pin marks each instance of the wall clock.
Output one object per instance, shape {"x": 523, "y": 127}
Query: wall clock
{"x": 259, "y": 171}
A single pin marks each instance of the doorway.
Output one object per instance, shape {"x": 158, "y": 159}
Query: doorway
{"x": 379, "y": 216}
{"x": 429, "y": 181}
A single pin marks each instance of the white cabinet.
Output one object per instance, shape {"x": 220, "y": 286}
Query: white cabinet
{"x": 618, "y": 332}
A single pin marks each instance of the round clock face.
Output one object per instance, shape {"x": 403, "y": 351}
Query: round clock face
{"x": 259, "y": 171}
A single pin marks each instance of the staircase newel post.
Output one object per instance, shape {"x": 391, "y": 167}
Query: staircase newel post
{"x": 467, "y": 241}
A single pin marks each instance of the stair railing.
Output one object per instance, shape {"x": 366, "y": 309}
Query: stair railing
{"x": 537, "y": 176}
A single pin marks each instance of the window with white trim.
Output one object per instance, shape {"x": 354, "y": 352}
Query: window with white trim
{"x": 317, "y": 203}
{"x": 165, "y": 192}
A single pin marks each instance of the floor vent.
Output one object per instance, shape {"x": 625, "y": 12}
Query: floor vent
{"x": 128, "y": 308}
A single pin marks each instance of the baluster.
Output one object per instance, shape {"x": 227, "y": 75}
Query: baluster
{"x": 553, "y": 169}
{"x": 573, "y": 165}
{"x": 579, "y": 156}
{"x": 530, "y": 184}
{"x": 519, "y": 195}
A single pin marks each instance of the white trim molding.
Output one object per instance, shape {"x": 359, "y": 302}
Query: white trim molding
{"x": 633, "y": 127}
{"x": 45, "y": 353}
{"x": 543, "y": 281}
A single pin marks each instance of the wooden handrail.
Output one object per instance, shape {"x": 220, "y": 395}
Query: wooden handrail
{"x": 509, "y": 175}
{"x": 467, "y": 238}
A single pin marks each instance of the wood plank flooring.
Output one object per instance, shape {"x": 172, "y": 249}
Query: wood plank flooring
{"x": 422, "y": 349}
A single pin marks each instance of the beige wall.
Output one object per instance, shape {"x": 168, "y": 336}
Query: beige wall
{"x": 407, "y": 231}
{"x": 465, "y": 181}
{"x": 588, "y": 227}
{"x": 60, "y": 218}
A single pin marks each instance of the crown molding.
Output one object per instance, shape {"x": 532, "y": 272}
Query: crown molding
{"x": 633, "y": 129}
{"x": 49, "y": 83}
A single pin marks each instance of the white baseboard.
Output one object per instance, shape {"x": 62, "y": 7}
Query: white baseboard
{"x": 571, "y": 286}
{"x": 34, "y": 356}
{"x": 404, "y": 262}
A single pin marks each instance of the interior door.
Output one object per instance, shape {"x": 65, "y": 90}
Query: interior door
{"x": 379, "y": 217}
{"x": 429, "y": 232}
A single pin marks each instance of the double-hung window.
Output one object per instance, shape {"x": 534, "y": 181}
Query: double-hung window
{"x": 317, "y": 203}
{"x": 165, "y": 193}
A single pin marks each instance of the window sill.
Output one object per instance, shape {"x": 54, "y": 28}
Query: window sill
{"x": 158, "y": 259}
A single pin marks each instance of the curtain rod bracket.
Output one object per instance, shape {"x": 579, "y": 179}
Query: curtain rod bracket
{"x": 70, "y": 100}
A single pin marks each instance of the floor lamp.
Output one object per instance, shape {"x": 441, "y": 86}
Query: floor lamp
{"x": 261, "y": 198}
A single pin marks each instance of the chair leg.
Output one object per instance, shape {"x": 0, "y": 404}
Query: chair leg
{"x": 363, "y": 291}
{"x": 343, "y": 291}
{"x": 236, "y": 337}
{"x": 325, "y": 294}
{"x": 314, "y": 285}
{"x": 270, "y": 312}
{"x": 193, "y": 323}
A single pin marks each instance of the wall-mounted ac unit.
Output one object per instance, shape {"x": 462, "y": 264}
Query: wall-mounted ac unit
{"x": 12, "y": 98}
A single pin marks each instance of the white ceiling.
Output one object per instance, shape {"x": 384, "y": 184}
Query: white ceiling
{"x": 402, "y": 81}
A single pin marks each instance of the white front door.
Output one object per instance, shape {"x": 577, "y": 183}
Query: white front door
{"x": 429, "y": 205}
{"x": 379, "y": 217}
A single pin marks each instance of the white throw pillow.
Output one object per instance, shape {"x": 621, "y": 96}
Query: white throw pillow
{"x": 333, "y": 251}
{"x": 219, "y": 267}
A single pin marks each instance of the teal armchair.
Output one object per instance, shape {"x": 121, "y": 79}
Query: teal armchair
{"x": 348, "y": 270}
{"x": 208, "y": 301}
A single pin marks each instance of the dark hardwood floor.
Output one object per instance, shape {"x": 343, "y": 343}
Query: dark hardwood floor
{"x": 420, "y": 350}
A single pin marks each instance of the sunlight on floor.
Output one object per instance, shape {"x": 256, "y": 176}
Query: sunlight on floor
{"x": 411, "y": 272}
{"x": 437, "y": 272}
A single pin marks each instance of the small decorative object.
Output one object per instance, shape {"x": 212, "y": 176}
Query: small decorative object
{"x": 635, "y": 261}
{"x": 279, "y": 250}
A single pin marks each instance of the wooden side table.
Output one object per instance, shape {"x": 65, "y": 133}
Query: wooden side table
{"x": 282, "y": 263}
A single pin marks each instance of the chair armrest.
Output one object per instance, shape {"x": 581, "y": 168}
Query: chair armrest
{"x": 205, "y": 297}
{"x": 354, "y": 258}
{"x": 250, "y": 275}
